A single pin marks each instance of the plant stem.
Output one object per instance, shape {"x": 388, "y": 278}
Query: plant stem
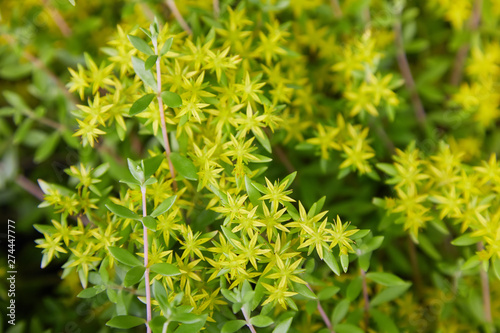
{"x": 379, "y": 127}
{"x": 337, "y": 11}
{"x": 216, "y": 6}
{"x": 281, "y": 154}
{"x": 249, "y": 325}
{"x": 146, "y": 252}
{"x": 45, "y": 121}
{"x": 164, "y": 132}
{"x": 366, "y": 300}
{"x": 458, "y": 65}
{"x": 417, "y": 277}
{"x": 485, "y": 288}
{"x": 40, "y": 65}
{"x": 147, "y": 11}
{"x": 404, "y": 67}
{"x": 323, "y": 314}
{"x": 35, "y": 191}
{"x": 58, "y": 19}
{"x": 173, "y": 7}
{"x": 29, "y": 187}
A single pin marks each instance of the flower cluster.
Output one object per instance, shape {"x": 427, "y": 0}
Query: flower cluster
{"x": 443, "y": 188}
{"x": 220, "y": 113}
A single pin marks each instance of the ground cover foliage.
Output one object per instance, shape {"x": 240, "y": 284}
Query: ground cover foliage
{"x": 252, "y": 166}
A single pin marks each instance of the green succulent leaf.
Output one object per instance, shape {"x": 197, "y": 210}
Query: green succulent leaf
{"x": 125, "y": 322}
{"x": 90, "y": 292}
{"x": 283, "y": 326}
{"x": 140, "y": 45}
{"x": 465, "y": 240}
{"x": 171, "y": 99}
{"x": 124, "y": 256}
{"x": 166, "y": 47}
{"x": 164, "y": 206}
{"x": 152, "y": 164}
{"x": 150, "y": 62}
{"x": 149, "y": 222}
{"x": 331, "y": 261}
{"x": 165, "y": 269}
{"x": 134, "y": 275}
{"x": 233, "y": 326}
{"x": 184, "y": 166}
{"x": 385, "y": 279}
{"x": 122, "y": 211}
{"x": 261, "y": 321}
{"x": 141, "y": 104}
{"x": 145, "y": 75}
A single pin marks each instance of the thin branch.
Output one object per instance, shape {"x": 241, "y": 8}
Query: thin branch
{"x": 216, "y": 6}
{"x": 417, "y": 277}
{"x": 404, "y": 67}
{"x": 337, "y": 11}
{"x": 41, "y": 66}
{"x": 366, "y": 300}
{"x": 366, "y": 15}
{"x": 281, "y": 154}
{"x": 147, "y": 11}
{"x": 485, "y": 288}
{"x": 323, "y": 314}
{"x": 247, "y": 319}
{"x": 173, "y": 8}
{"x": 278, "y": 151}
{"x": 458, "y": 65}
{"x": 146, "y": 259}
{"x": 58, "y": 19}
{"x": 46, "y": 121}
{"x": 35, "y": 191}
{"x": 379, "y": 128}
{"x": 164, "y": 132}
{"x": 30, "y": 187}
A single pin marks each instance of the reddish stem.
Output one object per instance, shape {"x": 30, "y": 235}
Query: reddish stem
{"x": 58, "y": 19}
{"x": 458, "y": 65}
{"x": 323, "y": 314}
{"x": 173, "y": 8}
{"x": 485, "y": 288}
{"x": 404, "y": 67}
{"x": 166, "y": 142}
{"x": 146, "y": 259}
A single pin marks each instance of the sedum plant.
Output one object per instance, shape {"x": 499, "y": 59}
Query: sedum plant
{"x": 196, "y": 149}
{"x": 215, "y": 146}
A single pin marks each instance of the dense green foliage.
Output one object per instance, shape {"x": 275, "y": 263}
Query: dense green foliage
{"x": 263, "y": 166}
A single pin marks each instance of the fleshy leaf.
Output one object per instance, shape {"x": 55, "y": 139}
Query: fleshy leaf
{"x": 125, "y": 322}
{"x": 140, "y": 45}
{"x": 141, "y": 104}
